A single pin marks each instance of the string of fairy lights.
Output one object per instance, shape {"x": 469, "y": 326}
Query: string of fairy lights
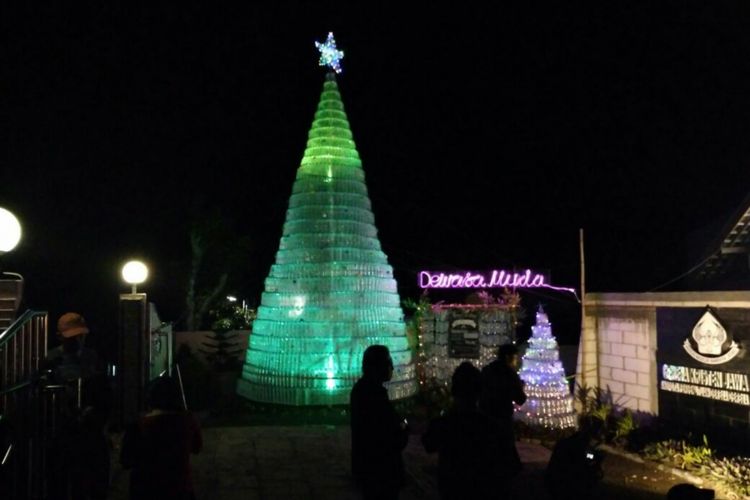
{"x": 435, "y": 363}
{"x": 549, "y": 402}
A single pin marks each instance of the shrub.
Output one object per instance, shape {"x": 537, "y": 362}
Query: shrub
{"x": 617, "y": 425}
{"x": 730, "y": 472}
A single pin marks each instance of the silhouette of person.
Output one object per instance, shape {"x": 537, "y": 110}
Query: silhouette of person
{"x": 79, "y": 447}
{"x": 466, "y": 441}
{"x": 687, "y": 491}
{"x": 501, "y": 388}
{"x": 157, "y": 448}
{"x": 574, "y": 468}
{"x": 378, "y": 433}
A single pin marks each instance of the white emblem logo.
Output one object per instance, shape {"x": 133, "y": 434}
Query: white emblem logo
{"x": 709, "y": 335}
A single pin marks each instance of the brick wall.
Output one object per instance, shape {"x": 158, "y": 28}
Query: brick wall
{"x": 627, "y": 359}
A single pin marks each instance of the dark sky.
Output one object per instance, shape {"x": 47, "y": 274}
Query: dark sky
{"x": 489, "y": 135}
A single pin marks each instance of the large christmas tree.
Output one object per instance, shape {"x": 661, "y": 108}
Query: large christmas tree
{"x": 549, "y": 402}
{"x": 331, "y": 292}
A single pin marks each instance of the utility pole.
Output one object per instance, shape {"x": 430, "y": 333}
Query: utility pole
{"x": 583, "y": 316}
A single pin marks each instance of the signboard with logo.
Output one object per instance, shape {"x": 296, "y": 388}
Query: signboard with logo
{"x": 703, "y": 369}
{"x": 463, "y": 336}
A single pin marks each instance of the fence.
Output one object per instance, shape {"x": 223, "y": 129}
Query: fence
{"x": 25, "y": 408}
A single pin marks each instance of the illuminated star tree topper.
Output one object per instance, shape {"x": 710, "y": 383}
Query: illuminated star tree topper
{"x": 329, "y": 54}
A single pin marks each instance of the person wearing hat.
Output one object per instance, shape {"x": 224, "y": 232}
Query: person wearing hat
{"x": 72, "y": 359}
{"x": 81, "y": 448}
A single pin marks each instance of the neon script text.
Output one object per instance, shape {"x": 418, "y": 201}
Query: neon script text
{"x": 496, "y": 279}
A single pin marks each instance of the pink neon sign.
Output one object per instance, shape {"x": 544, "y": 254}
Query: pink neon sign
{"x": 495, "y": 279}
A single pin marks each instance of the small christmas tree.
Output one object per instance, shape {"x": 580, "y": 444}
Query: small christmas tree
{"x": 549, "y": 402}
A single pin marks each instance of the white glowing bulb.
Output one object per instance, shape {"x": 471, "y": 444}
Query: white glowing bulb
{"x": 134, "y": 272}
{"x": 10, "y": 231}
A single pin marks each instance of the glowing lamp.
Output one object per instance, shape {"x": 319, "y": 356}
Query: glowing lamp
{"x": 10, "y": 231}
{"x": 134, "y": 273}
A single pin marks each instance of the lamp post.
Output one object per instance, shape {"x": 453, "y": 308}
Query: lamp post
{"x": 133, "y": 345}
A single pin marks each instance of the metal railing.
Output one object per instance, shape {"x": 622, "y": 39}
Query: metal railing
{"x": 23, "y": 348}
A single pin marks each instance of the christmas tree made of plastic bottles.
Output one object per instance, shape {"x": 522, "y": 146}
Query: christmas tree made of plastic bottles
{"x": 549, "y": 402}
{"x": 330, "y": 293}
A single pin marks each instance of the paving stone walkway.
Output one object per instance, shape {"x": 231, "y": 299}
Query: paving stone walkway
{"x": 301, "y": 462}
{"x": 312, "y": 462}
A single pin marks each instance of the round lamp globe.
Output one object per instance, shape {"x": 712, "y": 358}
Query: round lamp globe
{"x": 134, "y": 272}
{"x": 10, "y": 231}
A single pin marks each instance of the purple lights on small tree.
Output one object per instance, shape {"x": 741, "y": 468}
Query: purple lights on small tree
{"x": 549, "y": 402}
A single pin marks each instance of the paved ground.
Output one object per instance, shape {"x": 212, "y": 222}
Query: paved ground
{"x": 312, "y": 462}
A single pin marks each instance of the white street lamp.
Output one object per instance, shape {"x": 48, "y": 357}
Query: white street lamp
{"x": 134, "y": 272}
{"x": 10, "y": 231}
{"x": 134, "y": 343}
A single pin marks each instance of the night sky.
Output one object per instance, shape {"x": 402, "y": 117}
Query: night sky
{"x": 489, "y": 136}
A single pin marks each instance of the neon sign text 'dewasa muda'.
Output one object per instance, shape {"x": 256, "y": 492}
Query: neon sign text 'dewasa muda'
{"x": 495, "y": 279}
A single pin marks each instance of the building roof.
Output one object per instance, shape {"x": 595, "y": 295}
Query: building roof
{"x": 731, "y": 246}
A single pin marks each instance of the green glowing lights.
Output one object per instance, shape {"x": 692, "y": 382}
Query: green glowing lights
{"x": 330, "y": 293}
{"x": 329, "y": 55}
